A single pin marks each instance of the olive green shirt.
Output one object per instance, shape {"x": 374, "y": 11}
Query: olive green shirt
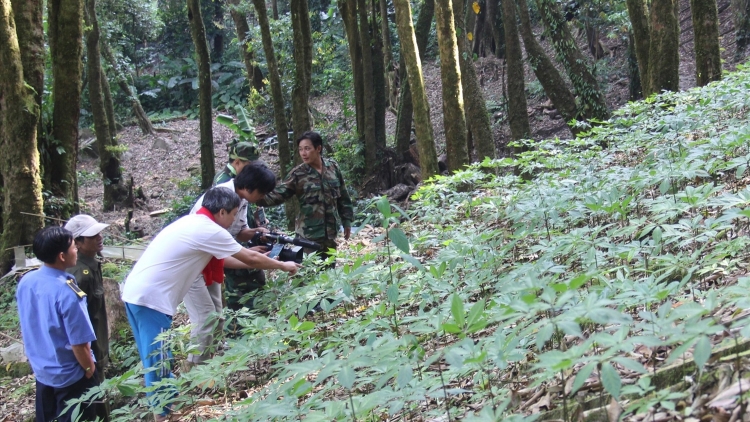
{"x": 88, "y": 274}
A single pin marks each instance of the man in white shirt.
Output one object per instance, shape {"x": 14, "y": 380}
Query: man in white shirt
{"x": 162, "y": 277}
{"x": 203, "y": 299}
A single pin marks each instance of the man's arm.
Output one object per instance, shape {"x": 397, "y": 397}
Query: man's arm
{"x": 256, "y": 260}
{"x": 284, "y": 190}
{"x": 82, "y": 353}
{"x": 247, "y": 233}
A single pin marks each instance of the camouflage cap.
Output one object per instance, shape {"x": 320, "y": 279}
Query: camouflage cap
{"x": 245, "y": 151}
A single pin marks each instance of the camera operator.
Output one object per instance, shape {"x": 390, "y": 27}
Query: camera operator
{"x": 194, "y": 244}
{"x": 320, "y": 188}
{"x": 204, "y": 296}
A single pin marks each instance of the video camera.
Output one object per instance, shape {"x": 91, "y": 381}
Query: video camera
{"x": 285, "y": 247}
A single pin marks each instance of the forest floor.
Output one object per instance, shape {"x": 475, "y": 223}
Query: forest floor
{"x": 164, "y": 164}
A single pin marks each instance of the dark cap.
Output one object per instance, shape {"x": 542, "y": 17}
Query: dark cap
{"x": 244, "y": 151}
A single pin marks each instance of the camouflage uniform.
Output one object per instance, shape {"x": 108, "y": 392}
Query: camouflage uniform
{"x": 324, "y": 201}
{"x": 238, "y": 283}
{"x": 88, "y": 275}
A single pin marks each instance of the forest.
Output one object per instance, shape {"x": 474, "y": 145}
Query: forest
{"x": 551, "y": 198}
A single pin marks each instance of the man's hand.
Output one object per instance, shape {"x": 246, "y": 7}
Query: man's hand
{"x": 347, "y": 232}
{"x": 260, "y": 249}
{"x": 290, "y": 267}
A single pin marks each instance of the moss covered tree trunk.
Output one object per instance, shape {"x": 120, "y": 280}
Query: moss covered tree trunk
{"x": 495, "y": 24}
{"x": 517, "y": 115}
{"x": 239, "y": 16}
{"x": 635, "y": 89}
{"x": 303, "y": 68}
{"x": 741, "y": 11}
{"x": 380, "y": 98}
{"x": 405, "y": 106}
{"x": 371, "y": 145}
{"x": 19, "y": 158}
{"x": 593, "y": 104}
{"x": 706, "y": 35}
{"x": 198, "y": 33}
{"x": 641, "y": 39}
{"x": 454, "y": 120}
{"x": 552, "y": 81}
{"x": 410, "y": 51}
{"x": 65, "y": 33}
{"x": 663, "y": 53}
{"x": 28, "y": 16}
{"x": 477, "y": 117}
{"x": 385, "y": 33}
{"x": 104, "y": 123}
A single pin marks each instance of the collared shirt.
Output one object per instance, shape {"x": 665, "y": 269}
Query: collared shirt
{"x": 53, "y": 319}
{"x": 324, "y": 201}
{"x": 88, "y": 274}
{"x": 240, "y": 220}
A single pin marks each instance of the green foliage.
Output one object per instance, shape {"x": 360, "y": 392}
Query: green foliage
{"x": 190, "y": 190}
{"x": 243, "y": 129}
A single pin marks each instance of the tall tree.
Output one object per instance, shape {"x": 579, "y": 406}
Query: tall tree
{"x": 198, "y": 32}
{"x": 365, "y": 40}
{"x": 517, "y": 115}
{"x": 388, "y": 63}
{"x": 664, "y": 51}
{"x": 19, "y": 115}
{"x": 741, "y": 12}
{"x": 254, "y": 75}
{"x": 104, "y": 122}
{"x": 303, "y": 68}
{"x": 706, "y": 36}
{"x": 277, "y": 96}
{"x": 454, "y": 120}
{"x": 641, "y": 39}
{"x": 348, "y": 9}
{"x": 405, "y": 106}
{"x": 477, "y": 117}
{"x": 552, "y": 81}
{"x": 380, "y": 98}
{"x": 65, "y": 33}
{"x": 410, "y": 52}
{"x": 593, "y": 104}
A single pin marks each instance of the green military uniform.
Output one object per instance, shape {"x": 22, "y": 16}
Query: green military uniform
{"x": 238, "y": 283}
{"x": 88, "y": 275}
{"x": 324, "y": 201}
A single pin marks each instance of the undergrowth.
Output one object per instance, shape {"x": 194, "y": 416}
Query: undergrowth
{"x": 624, "y": 253}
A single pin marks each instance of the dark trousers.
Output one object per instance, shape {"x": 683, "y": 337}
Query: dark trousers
{"x": 102, "y": 409}
{"x": 50, "y": 401}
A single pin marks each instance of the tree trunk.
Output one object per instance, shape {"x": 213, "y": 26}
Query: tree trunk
{"x": 348, "y": 9}
{"x": 478, "y": 31}
{"x": 28, "y": 16}
{"x": 706, "y": 36}
{"x": 65, "y": 32}
{"x": 198, "y": 33}
{"x": 642, "y": 40}
{"x": 254, "y": 75}
{"x": 217, "y": 43}
{"x": 663, "y": 53}
{"x": 19, "y": 116}
{"x": 454, "y": 120}
{"x": 380, "y": 99}
{"x": 147, "y": 128}
{"x": 385, "y": 32}
{"x": 741, "y": 11}
{"x": 477, "y": 117}
{"x": 405, "y": 105}
{"x": 552, "y": 81}
{"x": 517, "y": 115}
{"x": 104, "y": 124}
{"x": 410, "y": 51}
{"x": 496, "y": 28}
{"x": 593, "y": 104}
{"x": 371, "y": 144}
{"x": 635, "y": 88}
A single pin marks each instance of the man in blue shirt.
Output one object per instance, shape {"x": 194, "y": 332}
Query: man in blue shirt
{"x": 56, "y": 329}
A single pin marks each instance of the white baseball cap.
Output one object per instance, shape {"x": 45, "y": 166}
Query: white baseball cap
{"x": 84, "y": 225}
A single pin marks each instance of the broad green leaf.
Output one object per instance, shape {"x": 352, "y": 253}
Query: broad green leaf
{"x": 611, "y": 380}
{"x": 384, "y": 206}
{"x": 127, "y": 390}
{"x": 451, "y": 328}
{"x": 457, "y": 310}
{"x": 544, "y": 334}
{"x": 475, "y": 313}
{"x": 630, "y": 364}
{"x": 405, "y": 375}
{"x": 392, "y": 294}
{"x": 582, "y": 376}
{"x": 702, "y": 352}
{"x": 306, "y": 326}
{"x": 413, "y": 261}
{"x": 399, "y": 239}
{"x": 346, "y": 377}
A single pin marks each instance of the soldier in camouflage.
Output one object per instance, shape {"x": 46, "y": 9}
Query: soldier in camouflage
{"x": 238, "y": 283}
{"x": 324, "y": 201}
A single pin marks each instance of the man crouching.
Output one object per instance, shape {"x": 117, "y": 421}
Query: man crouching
{"x": 194, "y": 244}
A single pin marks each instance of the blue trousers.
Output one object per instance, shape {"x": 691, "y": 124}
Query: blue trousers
{"x": 156, "y": 357}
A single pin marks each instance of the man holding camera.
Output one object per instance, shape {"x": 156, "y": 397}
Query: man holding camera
{"x": 160, "y": 280}
{"x": 204, "y": 297}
